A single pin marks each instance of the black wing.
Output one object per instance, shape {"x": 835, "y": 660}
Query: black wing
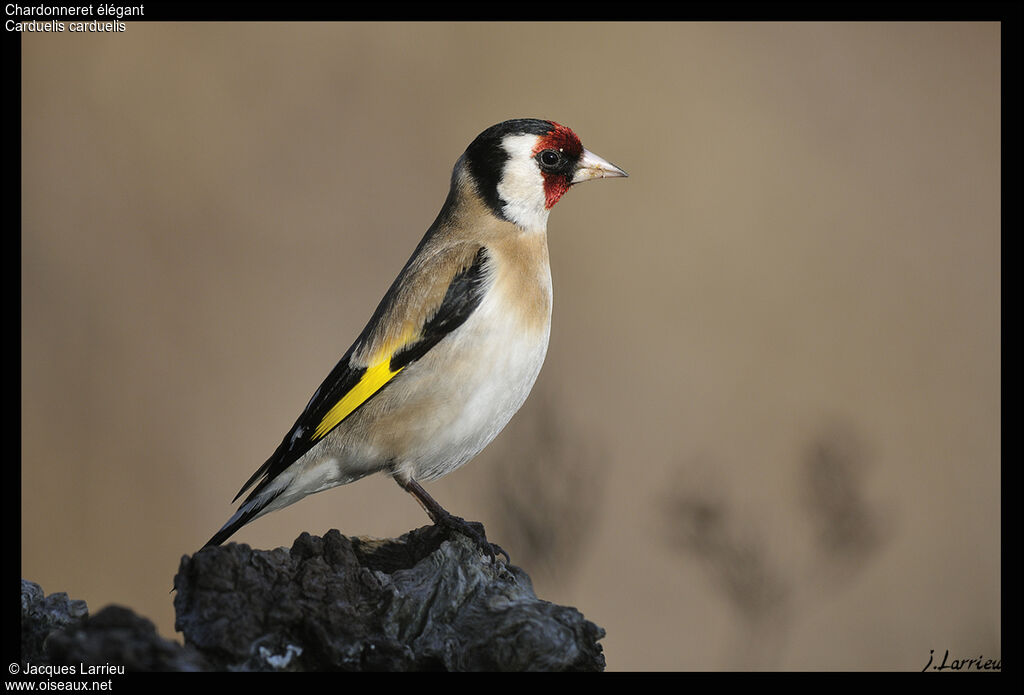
{"x": 462, "y": 297}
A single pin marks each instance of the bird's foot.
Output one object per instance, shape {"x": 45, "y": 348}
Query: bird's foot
{"x": 473, "y": 530}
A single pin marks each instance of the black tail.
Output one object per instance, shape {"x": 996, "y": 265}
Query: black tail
{"x": 241, "y": 518}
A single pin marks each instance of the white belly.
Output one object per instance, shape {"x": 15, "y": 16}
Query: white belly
{"x": 493, "y": 380}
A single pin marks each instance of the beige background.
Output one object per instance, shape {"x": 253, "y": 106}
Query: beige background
{"x": 767, "y": 431}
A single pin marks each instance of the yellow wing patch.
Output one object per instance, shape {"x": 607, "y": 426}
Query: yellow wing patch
{"x": 378, "y": 374}
{"x": 372, "y": 381}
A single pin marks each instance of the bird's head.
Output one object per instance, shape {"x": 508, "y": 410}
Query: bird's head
{"x": 522, "y": 167}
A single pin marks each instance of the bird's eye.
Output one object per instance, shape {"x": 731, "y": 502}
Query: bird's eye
{"x": 549, "y": 158}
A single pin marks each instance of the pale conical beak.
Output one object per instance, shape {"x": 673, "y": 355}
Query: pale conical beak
{"x": 593, "y": 167}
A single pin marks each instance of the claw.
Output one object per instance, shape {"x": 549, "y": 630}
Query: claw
{"x": 474, "y": 530}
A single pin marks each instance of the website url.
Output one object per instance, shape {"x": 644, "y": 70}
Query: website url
{"x": 59, "y": 685}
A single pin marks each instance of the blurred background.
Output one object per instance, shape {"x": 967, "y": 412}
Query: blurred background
{"x": 767, "y": 434}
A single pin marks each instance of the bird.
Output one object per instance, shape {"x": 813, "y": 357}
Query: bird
{"x": 456, "y": 344}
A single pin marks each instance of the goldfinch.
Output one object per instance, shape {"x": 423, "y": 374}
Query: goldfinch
{"x": 455, "y": 346}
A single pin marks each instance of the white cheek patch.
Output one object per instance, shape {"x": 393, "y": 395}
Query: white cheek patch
{"x": 522, "y": 186}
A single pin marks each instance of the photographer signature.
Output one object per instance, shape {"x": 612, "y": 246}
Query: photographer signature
{"x": 979, "y": 664}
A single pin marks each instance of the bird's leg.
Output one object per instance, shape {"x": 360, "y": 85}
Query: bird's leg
{"x": 441, "y": 517}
